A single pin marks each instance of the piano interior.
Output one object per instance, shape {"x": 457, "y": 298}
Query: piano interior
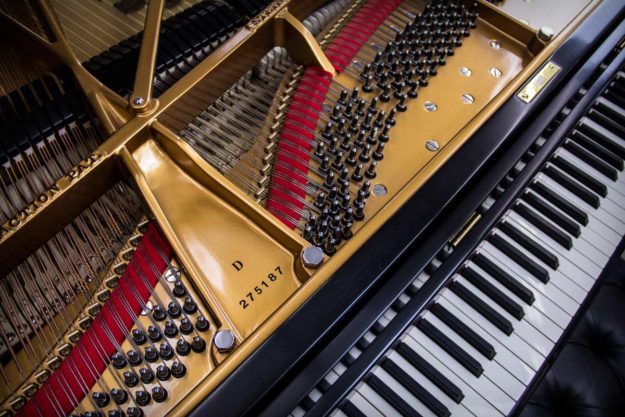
{"x": 184, "y": 182}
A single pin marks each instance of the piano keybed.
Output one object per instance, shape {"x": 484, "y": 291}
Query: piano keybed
{"x": 149, "y": 247}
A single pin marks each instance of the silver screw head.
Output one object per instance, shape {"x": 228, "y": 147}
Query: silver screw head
{"x": 465, "y": 71}
{"x": 432, "y": 145}
{"x": 139, "y": 101}
{"x": 467, "y": 98}
{"x": 495, "y": 44}
{"x": 429, "y": 106}
{"x": 496, "y": 72}
{"x": 172, "y": 274}
{"x": 224, "y": 341}
{"x": 545, "y": 33}
{"x": 312, "y": 257}
{"x": 379, "y": 190}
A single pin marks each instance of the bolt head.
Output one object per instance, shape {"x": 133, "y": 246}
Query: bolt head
{"x": 312, "y": 257}
{"x": 545, "y": 33}
{"x": 224, "y": 341}
{"x": 139, "y": 101}
{"x": 432, "y": 145}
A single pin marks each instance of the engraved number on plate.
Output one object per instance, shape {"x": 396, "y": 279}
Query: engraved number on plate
{"x": 262, "y": 286}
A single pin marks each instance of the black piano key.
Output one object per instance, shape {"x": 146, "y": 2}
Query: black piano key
{"x": 610, "y": 109}
{"x": 581, "y": 176}
{"x": 348, "y": 359}
{"x": 324, "y": 386}
{"x": 530, "y": 244}
{"x": 464, "y": 331}
{"x": 591, "y": 159}
{"x": 481, "y": 307}
{"x": 449, "y": 346}
{"x": 363, "y": 343}
{"x": 449, "y": 388}
{"x": 391, "y": 397}
{"x": 501, "y": 299}
{"x": 576, "y": 188}
{"x": 603, "y": 137}
{"x": 307, "y": 403}
{"x": 552, "y": 214}
{"x": 560, "y": 202}
{"x": 599, "y": 151}
{"x": 415, "y": 388}
{"x": 519, "y": 257}
{"x": 552, "y": 231}
{"x": 351, "y": 410}
{"x": 613, "y": 125}
{"x": 506, "y": 279}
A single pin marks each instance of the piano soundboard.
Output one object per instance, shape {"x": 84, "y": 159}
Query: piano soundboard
{"x": 306, "y": 208}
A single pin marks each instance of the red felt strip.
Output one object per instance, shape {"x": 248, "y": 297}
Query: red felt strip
{"x": 80, "y": 370}
{"x": 315, "y": 83}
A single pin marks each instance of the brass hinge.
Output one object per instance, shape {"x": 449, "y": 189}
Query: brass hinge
{"x": 464, "y": 229}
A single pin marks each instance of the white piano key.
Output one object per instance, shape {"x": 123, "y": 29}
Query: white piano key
{"x": 453, "y": 407}
{"x": 315, "y": 394}
{"x": 298, "y": 412}
{"x": 523, "y": 328}
{"x": 542, "y": 303}
{"x": 363, "y": 405}
{"x": 493, "y": 370}
{"x": 513, "y": 363}
{"x": 518, "y": 346}
{"x": 377, "y": 401}
{"x": 561, "y": 299}
{"x": 472, "y": 400}
{"x": 400, "y": 390}
{"x": 338, "y": 413}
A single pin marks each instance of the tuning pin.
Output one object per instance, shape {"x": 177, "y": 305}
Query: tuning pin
{"x": 330, "y": 246}
{"x": 142, "y": 398}
{"x": 347, "y": 230}
{"x": 325, "y": 165}
{"x": 307, "y": 233}
{"x": 347, "y": 114}
{"x": 170, "y": 329}
{"x": 114, "y": 413}
{"x": 179, "y": 289}
{"x": 163, "y": 373}
{"x": 340, "y": 128}
{"x": 343, "y": 97}
{"x": 368, "y": 85}
{"x": 334, "y": 143}
{"x": 390, "y": 120}
{"x": 186, "y": 327}
{"x": 334, "y": 207}
{"x": 412, "y": 93}
{"x": 150, "y": 354}
{"x": 101, "y": 399}
{"x": 346, "y": 143}
{"x": 319, "y": 151}
{"x": 134, "y": 358}
{"x": 332, "y": 193}
{"x": 189, "y": 306}
{"x": 159, "y": 394}
{"x": 371, "y": 139}
{"x": 366, "y": 70}
{"x": 327, "y": 131}
{"x": 134, "y": 412}
{"x": 360, "y": 140}
{"x": 130, "y": 379}
{"x": 366, "y": 126}
{"x": 320, "y": 201}
{"x": 373, "y": 106}
{"x": 183, "y": 347}
{"x": 379, "y": 121}
{"x": 383, "y": 136}
{"x": 118, "y": 360}
{"x": 166, "y": 351}
{"x": 365, "y": 188}
{"x": 146, "y": 375}
{"x": 344, "y": 177}
{"x": 119, "y": 396}
{"x": 344, "y": 190}
{"x": 329, "y": 182}
{"x": 345, "y": 203}
{"x": 173, "y": 309}
{"x": 365, "y": 154}
{"x": 357, "y": 175}
{"x": 325, "y": 213}
{"x": 354, "y": 94}
{"x": 348, "y": 216}
{"x": 198, "y": 344}
{"x": 338, "y": 163}
{"x": 385, "y": 97}
{"x": 353, "y": 126}
{"x": 202, "y": 324}
{"x": 159, "y": 313}
{"x": 378, "y": 154}
{"x": 359, "y": 213}
{"x": 336, "y": 114}
{"x": 351, "y": 158}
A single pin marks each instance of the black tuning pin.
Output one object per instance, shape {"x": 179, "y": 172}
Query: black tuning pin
{"x": 320, "y": 201}
{"x": 142, "y": 398}
{"x": 378, "y": 154}
{"x": 198, "y": 344}
{"x": 347, "y": 139}
{"x": 101, "y": 399}
{"x": 338, "y": 163}
{"x": 119, "y": 396}
{"x": 189, "y": 306}
{"x": 348, "y": 216}
{"x": 365, "y": 189}
{"x": 151, "y": 354}
{"x": 178, "y": 370}
{"x": 154, "y": 333}
{"x": 118, "y": 360}
{"x": 186, "y": 327}
{"x": 130, "y": 379}
{"x": 202, "y": 324}
{"x": 139, "y": 337}
{"x": 134, "y": 412}
{"x": 360, "y": 140}
{"x": 116, "y": 413}
{"x": 401, "y": 105}
{"x": 166, "y": 351}
{"x": 93, "y": 414}
{"x": 170, "y": 329}
{"x": 173, "y": 309}
{"x": 327, "y": 131}
{"x": 134, "y": 358}
{"x": 183, "y": 347}
{"x": 159, "y": 313}
{"x": 146, "y": 375}
{"x": 320, "y": 151}
{"x": 343, "y": 97}
{"x": 336, "y": 114}
{"x": 365, "y": 154}
{"x": 159, "y": 394}
{"x": 179, "y": 289}
{"x": 347, "y": 230}
{"x": 357, "y": 174}
{"x": 385, "y": 97}
{"x": 345, "y": 202}
{"x": 383, "y": 136}
{"x": 163, "y": 373}
{"x": 368, "y": 85}
{"x": 325, "y": 164}
{"x": 354, "y": 97}
{"x": 329, "y": 182}
{"x": 379, "y": 120}
{"x": 354, "y": 125}
{"x": 359, "y": 213}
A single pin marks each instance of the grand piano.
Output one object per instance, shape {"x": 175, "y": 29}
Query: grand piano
{"x": 312, "y": 208}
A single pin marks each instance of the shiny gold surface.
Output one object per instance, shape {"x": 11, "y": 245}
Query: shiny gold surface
{"x": 228, "y": 244}
{"x": 538, "y": 82}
